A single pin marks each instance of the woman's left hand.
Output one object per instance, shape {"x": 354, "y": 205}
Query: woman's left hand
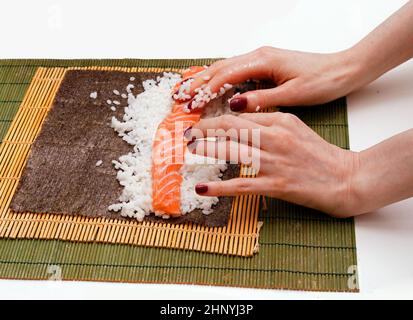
{"x": 295, "y": 164}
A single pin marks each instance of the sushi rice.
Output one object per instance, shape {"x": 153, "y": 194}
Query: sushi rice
{"x": 138, "y": 127}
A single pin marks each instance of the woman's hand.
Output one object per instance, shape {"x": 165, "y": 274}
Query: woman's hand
{"x": 301, "y": 78}
{"x": 295, "y": 164}
{"x": 311, "y": 78}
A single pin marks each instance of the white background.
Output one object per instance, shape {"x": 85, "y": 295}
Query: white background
{"x": 189, "y": 29}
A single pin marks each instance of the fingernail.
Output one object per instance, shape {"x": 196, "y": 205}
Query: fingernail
{"x": 201, "y": 188}
{"x": 179, "y": 99}
{"x": 192, "y": 144}
{"x": 187, "y": 133}
{"x": 238, "y": 104}
{"x": 179, "y": 85}
{"x": 185, "y": 79}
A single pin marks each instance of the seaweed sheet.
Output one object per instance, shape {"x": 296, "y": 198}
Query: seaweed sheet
{"x": 61, "y": 175}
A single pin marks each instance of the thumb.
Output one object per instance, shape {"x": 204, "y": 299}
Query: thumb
{"x": 253, "y": 101}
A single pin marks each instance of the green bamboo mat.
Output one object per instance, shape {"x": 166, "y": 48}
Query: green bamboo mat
{"x": 300, "y": 249}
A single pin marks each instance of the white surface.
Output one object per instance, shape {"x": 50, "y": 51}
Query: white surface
{"x": 120, "y": 29}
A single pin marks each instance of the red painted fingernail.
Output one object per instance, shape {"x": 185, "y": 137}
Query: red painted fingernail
{"x": 192, "y": 144}
{"x": 182, "y": 81}
{"x": 185, "y": 79}
{"x": 179, "y": 99}
{"x": 201, "y": 188}
{"x": 179, "y": 85}
{"x": 187, "y": 133}
{"x": 238, "y": 104}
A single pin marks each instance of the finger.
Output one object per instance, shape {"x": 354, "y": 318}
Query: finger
{"x": 215, "y": 68}
{"x": 192, "y": 72}
{"x": 254, "y": 101}
{"x": 205, "y": 76}
{"x": 229, "y": 151}
{"x": 232, "y": 70}
{"x": 222, "y": 82}
{"x": 233, "y": 127}
{"x": 202, "y": 79}
{"x": 232, "y": 187}
{"x": 263, "y": 118}
{"x": 181, "y": 89}
{"x": 278, "y": 123}
{"x": 237, "y": 73}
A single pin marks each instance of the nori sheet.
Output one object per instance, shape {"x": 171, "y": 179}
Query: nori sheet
{"x": 61, "y": 175}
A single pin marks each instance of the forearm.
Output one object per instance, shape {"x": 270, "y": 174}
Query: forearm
{"x": 389, "y": 45}
{"x": 384, "y": 174}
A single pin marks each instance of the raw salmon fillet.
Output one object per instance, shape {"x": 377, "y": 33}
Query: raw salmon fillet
{"x": 168, "y": 155}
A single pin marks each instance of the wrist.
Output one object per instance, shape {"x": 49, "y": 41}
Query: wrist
{"x": 349, "y": 197}
{"x": 351, "y": 69}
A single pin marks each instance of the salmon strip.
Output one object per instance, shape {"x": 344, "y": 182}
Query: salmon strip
{"x": 168, "y": 154}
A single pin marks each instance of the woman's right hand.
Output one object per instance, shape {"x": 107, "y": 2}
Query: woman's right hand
{"x": 301, "y": 78}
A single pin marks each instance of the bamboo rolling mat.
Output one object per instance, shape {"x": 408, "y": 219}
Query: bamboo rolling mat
{"x": 299, "y": 248}
{"x": 239, "y": 237}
